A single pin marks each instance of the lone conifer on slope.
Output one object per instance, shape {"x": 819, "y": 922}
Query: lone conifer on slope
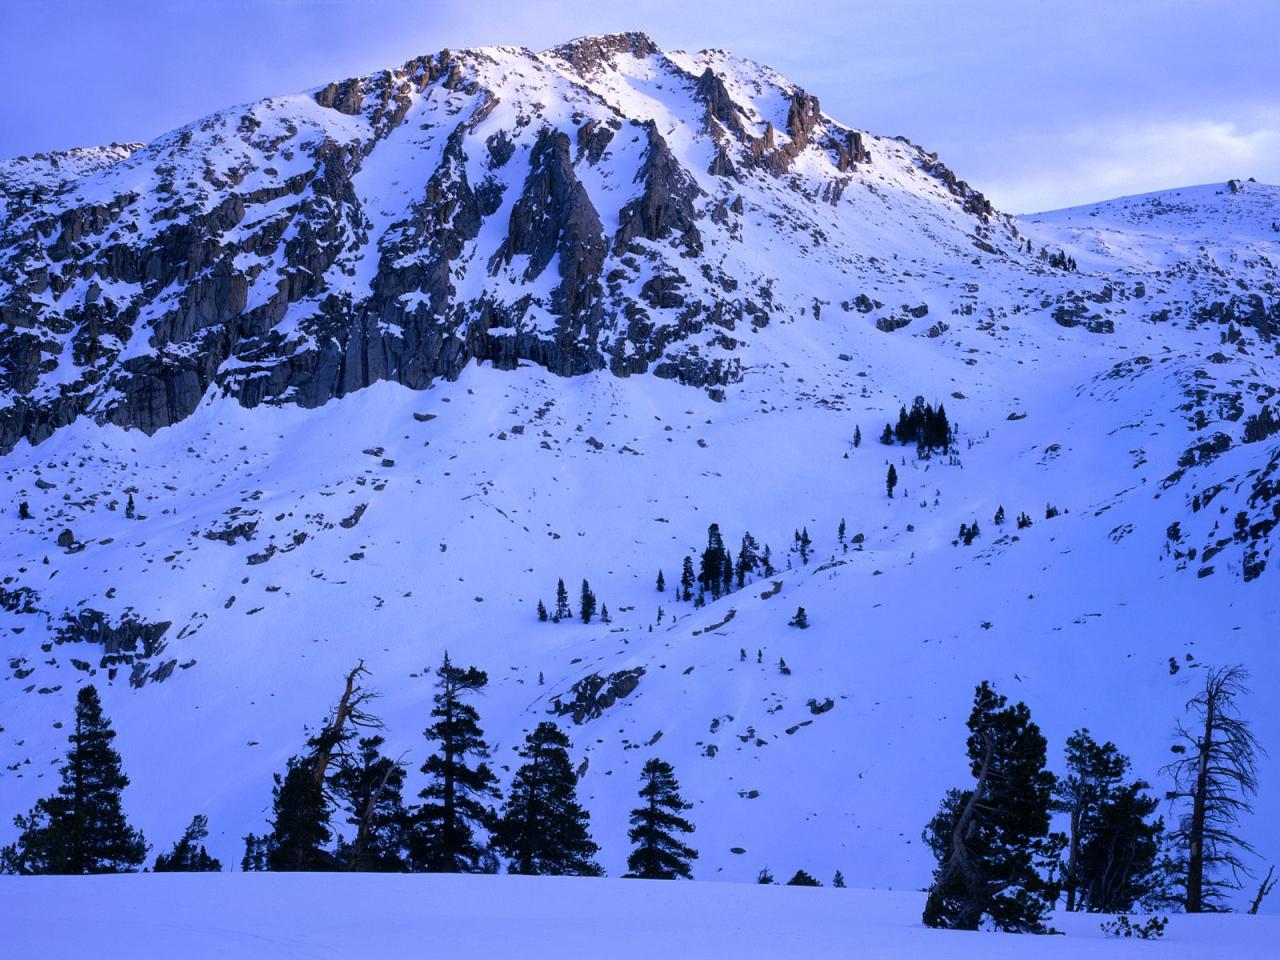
{"x": 543, "y": 829}
{"x": 562, "y": 602}
{"x": 992, "y": 840}
{"x": 891, "y": 479}
{"x": 460, "y": 784}
{"x": 188, "y": 854}
{"x": 658, "y": 854}
{"x": 81, "y": 829}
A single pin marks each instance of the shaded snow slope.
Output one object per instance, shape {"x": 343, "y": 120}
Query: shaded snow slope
{"x": 274, "y": 916}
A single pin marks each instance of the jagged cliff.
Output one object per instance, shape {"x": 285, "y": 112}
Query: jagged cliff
{"x": 582, "y": 208}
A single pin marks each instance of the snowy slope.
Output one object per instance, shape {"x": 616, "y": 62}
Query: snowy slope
{"x": 283, "y": 541}
{"x": 273, "y": 916}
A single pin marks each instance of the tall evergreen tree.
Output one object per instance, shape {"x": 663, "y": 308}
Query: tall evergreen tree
{"x": 662, "y": 583}
{"x": 658, "y": 854}
{"x": 711, "y": 572}
{"x": 369, "y": 786}
{"x": 686, "y": 579}
{"x": 456, "y": 800}
{"x": 82, "y": 828}
{"x": 587, "y": 603}
{"x": 188, "y": 854}
{"x": 891, "y": 479}
{"x": 299, "y": 834}
{"x": 992, "y": 840}
{"x": 543, "y": 829}
{"x": 1215, "y": 779}
{"x": 562, "y": 603}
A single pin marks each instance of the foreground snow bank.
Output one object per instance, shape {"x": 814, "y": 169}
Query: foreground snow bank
{"x": 277, "y": 916}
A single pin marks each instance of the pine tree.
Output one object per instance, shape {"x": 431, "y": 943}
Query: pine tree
{"x": 838, "y": 880}
{"x": 805, "y": 543}
{"x": 999, "y": 517}
{"x": 299, "y": 836}
{"x": 604, "y": 614}
{"x": 370, "y": 787}
{"x": 24, "y": 510}
{"x": 587, "y": 603}
{"x": 300, "y": 831}
{"x": 562, "y": 603}
{"x": 662, "y": 584}
{"x": 542, "y": 612}
{"x": 803, "y": 879}
{"x": 1214, "y": 780}
{"x": 887, "y": 437}
{"x": 801, "y": 619}
{"x": 129, "y": 509}
{"x": 992, "y": 840}
{"x": 711, "y": 571}
{"x": 891, "y": 480}
{"x": 1113, "y": 849}
{"x": 658, "y": 854}
{"x": 543, "y": 829}
{"x": 764, "y": 876}
{"x": 766, "y": 561}
{"x": 188, "y": 854}
{"x": 459, "y": 782}
{"x": 81, "y": 829}
{"x": 686, "y": 578}
{"x": 857, "y": 436}
{"x": 840, "y": 533}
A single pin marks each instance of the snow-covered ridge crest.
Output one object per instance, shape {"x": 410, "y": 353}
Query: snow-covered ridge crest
{"x": 299, "y": 248}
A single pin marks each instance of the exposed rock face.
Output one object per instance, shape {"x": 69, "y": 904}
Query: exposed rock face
{"x": 397, "y": 226}
{"x": 667, "y": 204}
{"x": 593, "y": 695}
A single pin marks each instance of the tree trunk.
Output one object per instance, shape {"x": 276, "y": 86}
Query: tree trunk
{"x": 1195, "y": 853}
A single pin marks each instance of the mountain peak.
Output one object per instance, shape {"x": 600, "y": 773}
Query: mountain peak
{"x": 591, "y": 53}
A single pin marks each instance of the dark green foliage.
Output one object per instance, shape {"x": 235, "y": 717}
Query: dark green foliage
{"x": 562, "y": 603}
{"x": 803, "y": 544}
{"x": 1024, "y": 521}
{"x": 999, "y": 517}
{"x": 24, "y": 510}
{"x": 711, "y": 570}
{"x": 1111, "y": 850}
{"x": 662, "y": 583}
{"x": 924, "y": 426}
{"x": 857, "y": 436}
{"x": 81, "y": 829}
{"x": 968, "y": 533}
{"x": 542, "y": 612}
{"x": 188, "y": 854}
{"x": 764, "y": 876}
{"x": 838, "y": 880}
{"x": 543, "y": 829}
{"x": 686, "y": 579}
{"x": 369, "y": 786}
{"x": 992, "y": 840}
{"x": 801, "y": 619}
{"x": 586, "y": 603}
{"x": 299, "y": 834}
{"x": 658, "y": 854}
{"x": 460, "y": 784}
{"x": 802, "y": 879}
{"x": 887, "y": 437}
{"x": 840, "y": 535}
{"x": 891, "y": 479}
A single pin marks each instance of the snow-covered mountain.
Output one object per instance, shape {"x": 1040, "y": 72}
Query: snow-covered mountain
{"x": 634, "y": 292}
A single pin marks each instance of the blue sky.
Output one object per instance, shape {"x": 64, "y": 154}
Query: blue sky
{"x": 1040, "y": 103}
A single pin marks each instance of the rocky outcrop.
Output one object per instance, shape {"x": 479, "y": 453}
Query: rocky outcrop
{"x": 592, "y": 695}
{"x": 667, "y": 204}
{"x": 721, "y": 109}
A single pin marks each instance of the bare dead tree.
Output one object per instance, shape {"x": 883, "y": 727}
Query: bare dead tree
{"x": 1265, "y": 887}
{"x": 1214, "y": 780}
{"x": 347, "y": 718}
